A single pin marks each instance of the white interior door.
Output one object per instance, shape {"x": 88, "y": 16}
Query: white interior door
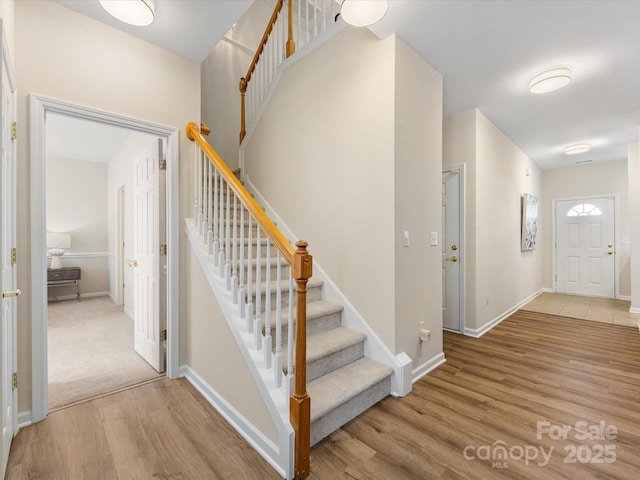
{"x": 451, "y": 251}
{"x": 149, "y": 273}
{"x": 8, "y": 278}
{"x": 585, "y": 246}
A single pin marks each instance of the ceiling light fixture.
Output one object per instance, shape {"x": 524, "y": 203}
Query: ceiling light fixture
{"x": 550, "y": 80}
{"x": 139, "y": 13}
{"x": 578, "y": 148}
{"x": 362, "y": 13}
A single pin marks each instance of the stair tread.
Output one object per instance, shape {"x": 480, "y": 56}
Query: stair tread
{"x": 315, "y": 309}
{"x": 343, "y": 384}
{"x": 327, "y": 342}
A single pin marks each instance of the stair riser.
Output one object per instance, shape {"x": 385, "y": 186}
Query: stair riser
{"x": 317, "y": 324}
{"x": 336, "y": 418}
{"x": 329, "y": 363}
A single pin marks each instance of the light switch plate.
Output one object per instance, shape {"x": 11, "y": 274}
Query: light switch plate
{"x": 434, "y": 239}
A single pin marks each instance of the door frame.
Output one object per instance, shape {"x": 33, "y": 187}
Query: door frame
{"x": 462, "y": 258}
{"x": 39, "y": 107}
{"x": 616, "y": 235}
{"x": 120, "y": 236}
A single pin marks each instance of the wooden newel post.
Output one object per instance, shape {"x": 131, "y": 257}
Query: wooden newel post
{"x": 291, "y": 44}
{"x": 243, "y": 91}
{"x": 300, "y": 403}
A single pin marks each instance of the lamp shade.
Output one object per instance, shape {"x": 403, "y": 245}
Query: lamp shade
{"x": 362, "y": 13}
{"x": 139, "y": 13}
{"x": 58, "y": 240}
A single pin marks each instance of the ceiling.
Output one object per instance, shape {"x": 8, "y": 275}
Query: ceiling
{"x": 487, "y": 51}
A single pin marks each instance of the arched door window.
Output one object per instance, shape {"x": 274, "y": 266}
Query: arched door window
{"x": 584, "y": 210}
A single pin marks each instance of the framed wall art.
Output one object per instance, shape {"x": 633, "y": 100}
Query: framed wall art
{"x": 529, "y": 221}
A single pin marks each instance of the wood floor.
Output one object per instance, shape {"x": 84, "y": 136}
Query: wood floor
{"x": 492, "y": 392}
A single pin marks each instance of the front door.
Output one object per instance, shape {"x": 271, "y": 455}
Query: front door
{"x": 451, "y": 251}
{"x": 149, "y": 273}
{"x": 585, "y": 246}
{"x": 8, "y": 258}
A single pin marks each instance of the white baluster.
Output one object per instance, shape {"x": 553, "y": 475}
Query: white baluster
{"x": 200, "y": 193}
{"x": 210, "y": 171}
{"x": 234, "y": 249}
{"x": 315, "y": 19}
{"x": 277, "y": 360}
{"x": 196, "y": 161}
{"x": 290, "y": 345}
{"x": 257, "y": 324}
{"x": 227, "y": 244}
{"x": 299, "y": 24}
{"x": 205, "y": 197}
{"x": 267, "y": 310}
{"x": 324, "y": 16}
{"x": 306, "y": 14}
{"x": 241, "y": 291}
{"x": 250, "y": 277}
{"x": 216, "y": 200}
{"x": 221, "y": 229}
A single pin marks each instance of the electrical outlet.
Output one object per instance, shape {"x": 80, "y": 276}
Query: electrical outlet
{"x": 424, "y": 335}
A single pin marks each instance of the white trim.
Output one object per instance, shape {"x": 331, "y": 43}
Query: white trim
{"x": 84, "y": 255}
{"x": 374, "y": 347}
{"x": 24, "y": 419}
{"x": 264, "y": 446}
{"x": 275, "y": 399}
{"x": 477, "y": 333}
{"x": 634, "y": 310}
{"x": 624, "y": 297}
{"x": 428, "y": 366}
{"x": 39, "y": 107}
{"x": 616, "y": 237}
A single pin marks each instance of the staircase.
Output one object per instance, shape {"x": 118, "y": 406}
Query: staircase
{"x": 342, "y": 382}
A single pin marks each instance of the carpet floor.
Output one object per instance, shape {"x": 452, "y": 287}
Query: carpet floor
{"x": 91, "y": 351}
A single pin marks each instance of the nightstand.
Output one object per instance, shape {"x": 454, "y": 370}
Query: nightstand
{"x": 60, "y": 277}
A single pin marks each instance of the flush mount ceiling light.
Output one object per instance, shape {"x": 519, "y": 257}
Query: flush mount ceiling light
{"x": 550, "y": 80}
{"x": 362, "y": 13}
{"x": 139, "y": 13}
{"x": 578, "y": 148}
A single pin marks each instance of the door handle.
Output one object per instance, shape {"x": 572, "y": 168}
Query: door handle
{"x": 11, "y": 293}
{"x": 133, "y": 264}
{"x": 609, "y": 253}
{"x": 452, "y": 259}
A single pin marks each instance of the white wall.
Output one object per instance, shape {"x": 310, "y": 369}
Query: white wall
{"x": 77, "y": 204}
{"x": 586, "y": 180}
{"x": 634, "y": 224}
{"x": 221, "y": 73}
{"x": 65, "y": 55}
{"x": 499, "y": 276}
{"x": 362, "y": 118}
{"x": 418, "y": 200}
{"x": 7, "y": 14}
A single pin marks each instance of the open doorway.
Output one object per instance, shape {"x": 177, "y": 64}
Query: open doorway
{"x": 90, "y": 170}
{"x": 42, "y": 109}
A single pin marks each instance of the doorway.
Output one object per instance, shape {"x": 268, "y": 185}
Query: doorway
{"x": 452, "y": 249}
{"x": 585, "y": 244}
{"x": 91, "y": 349}
{"x": 40, "y": 108}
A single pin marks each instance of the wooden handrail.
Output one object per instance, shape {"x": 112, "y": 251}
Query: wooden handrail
{"x": 280, "y": 242}
{"x": 290, "y": 50}
{"x": 301, "y": 263}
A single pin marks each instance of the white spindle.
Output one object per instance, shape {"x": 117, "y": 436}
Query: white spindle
{"x": 267, "y": 310}
{"x": 210, "y": 171}
{"x": 277, "y": 367}
{"x": 324, "y": 16}
{"x": 257, "y": 327}
{"x": 227, "y": 245}
{"x": 315, "y": 19}
{"x": 234, "y": 248}
{"x": 306, "y": 14}
{"x": 290, "y": 329}
{"x": 199, "y": 186}
{"x": 221, "y": 229}
{"x": 299, "y": 24}
{"x": 196, "y": 161}
{"x": 250, "y": 277}
{"x": 216, "y": 200}
{"x": 241, "y": 290}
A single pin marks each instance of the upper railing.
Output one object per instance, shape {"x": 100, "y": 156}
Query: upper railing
{"x": 239, "y": 237}
{"x": 298, "y": 24}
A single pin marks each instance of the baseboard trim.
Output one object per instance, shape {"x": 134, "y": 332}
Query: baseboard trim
{"x": 477, "y": 333}
{"x": 427, "y": 367}
{"x": 635, "y": 310}
{"x": 626, "y": 298}
{"x": 265, "y": 447}
{"x": 24, "y": 419}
